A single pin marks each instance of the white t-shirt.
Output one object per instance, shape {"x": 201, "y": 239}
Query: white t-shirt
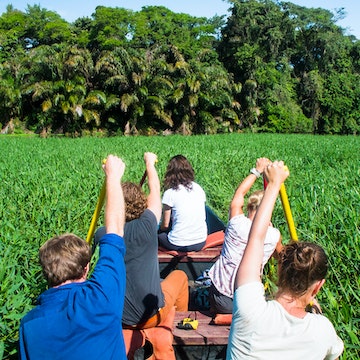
{"x": 222, "y": 273}
{"x": 187, "y": 215}
{"x": 263, "y": 329}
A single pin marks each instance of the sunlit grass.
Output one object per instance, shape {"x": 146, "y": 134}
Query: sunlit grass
{"x": 50, "y": 186}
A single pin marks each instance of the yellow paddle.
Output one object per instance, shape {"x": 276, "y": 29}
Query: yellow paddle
{"x": 287, "y": 211}
{"x": 96, "y": 214}
{"x": 288, "y": 214}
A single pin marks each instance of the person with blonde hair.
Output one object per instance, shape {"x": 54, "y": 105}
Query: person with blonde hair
{"x": 222, "y": 273}
{"x": 78, "y": 318}
{"x": 280, "y": 328}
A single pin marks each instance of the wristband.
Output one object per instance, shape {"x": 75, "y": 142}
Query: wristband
{"x": 255, "y": 172}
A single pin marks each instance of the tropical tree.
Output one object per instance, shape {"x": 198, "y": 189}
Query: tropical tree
{"x": 44, "y": 27}
{"x": 322, "y": 63}
{"x": 10, "y": 102}
{"x": 274, "y": 66}
{"x": 73, "y": 106}
{"x": 136, "y": 89}
{"x": 254, "y": 43}
{"x": 35, "y": 27}
{"x": 219, "y": 109}
{"x": 61, "y": 90}
{"x": 202, "y": 99}
{"x": 81, "y": 29}
{"x": 158, "y": 26}
{"x": 340, "y": 104}
{"x": 110, "y": 28}
{"x": 12, "y": 33}
{"x": 257, "y": 31}
{"x": 77, "y": 62}
{"x": 12, "y": 75}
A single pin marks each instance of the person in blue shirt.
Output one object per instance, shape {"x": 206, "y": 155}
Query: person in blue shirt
{"x": 78, "y": 318}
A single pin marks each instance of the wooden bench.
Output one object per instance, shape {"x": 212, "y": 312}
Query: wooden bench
{"x": 167, "y": 340}
{"x": 207, "y": 333}
{"x": 187, "y": 261}
{"x": 206, "y": 255}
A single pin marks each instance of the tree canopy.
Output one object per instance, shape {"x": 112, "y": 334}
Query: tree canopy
{"x": 269, "y": 66}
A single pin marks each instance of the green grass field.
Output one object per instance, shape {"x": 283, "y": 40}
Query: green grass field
{"x": 51, "y": 186}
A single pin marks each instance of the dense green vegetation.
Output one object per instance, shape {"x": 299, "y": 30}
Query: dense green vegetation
{"x": 271, "y": 66}
{"x": 51, "y": 186}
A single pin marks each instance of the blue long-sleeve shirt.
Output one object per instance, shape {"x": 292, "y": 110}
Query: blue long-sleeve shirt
{"x": 80, "y": 320}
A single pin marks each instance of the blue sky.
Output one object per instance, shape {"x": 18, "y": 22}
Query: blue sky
{"x": 73, "y": 9}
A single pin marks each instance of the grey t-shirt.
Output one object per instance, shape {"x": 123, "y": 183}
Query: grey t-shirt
{"x": 143, "y": 295}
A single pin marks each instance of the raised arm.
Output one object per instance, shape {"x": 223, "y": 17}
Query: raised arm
{"x": 114, "y": 209}
{"x": 154, "y": 198}
{"x": 250, "y": 266}
{"x": 237, "y": 203}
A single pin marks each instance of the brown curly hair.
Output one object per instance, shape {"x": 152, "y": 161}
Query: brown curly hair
{"x": 179, "y": 172}
{"x": 300, "y": 265}
{"x": 135, "y": 200}
{"x": 64, "y": 258}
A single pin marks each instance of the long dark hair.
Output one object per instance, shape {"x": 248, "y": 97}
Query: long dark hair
{"x": 300, "y": 265}
{"x": 179, "y": 172}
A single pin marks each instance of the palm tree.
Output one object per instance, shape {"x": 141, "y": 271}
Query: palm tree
{"x": 135, "y": 89}
{"x": 12, "y": 75}
{"x": 203, "y": 97}
{"x": 73, "y": 106}
{"x": 61, "y": 87}
{"x": 10, "y": 104}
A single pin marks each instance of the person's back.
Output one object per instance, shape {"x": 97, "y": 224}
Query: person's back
{"x": 142, "y": 270}
{"x": 51, "y": 330}
{"x": 143, "y": 296}
{"x": 183, "y": 225}
{"x": 280, "y": 328}
{"x": 265, "y": 330}
{"x": 148, "y": 299}
{"x": 78, "y": 318}
{"x": 223, "y": 272}
{"x": 188, "y": 215}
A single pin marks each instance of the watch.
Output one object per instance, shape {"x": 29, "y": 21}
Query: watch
{"x": 255, "y": 172}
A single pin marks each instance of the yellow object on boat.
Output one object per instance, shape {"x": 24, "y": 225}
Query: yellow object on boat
{"x": 287, "y": 212}
{"x": 96, "y": 214}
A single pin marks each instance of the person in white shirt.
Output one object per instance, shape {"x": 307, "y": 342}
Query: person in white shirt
{"x": 183, "y": 225}
{"x": 280, "y": 328}
{"x": 222, "y": 273}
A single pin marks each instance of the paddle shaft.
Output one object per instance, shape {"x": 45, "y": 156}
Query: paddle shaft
{"x": 287, "y": 210}
{"x": 143, "y": 179}
{"x": 96, "y": 214}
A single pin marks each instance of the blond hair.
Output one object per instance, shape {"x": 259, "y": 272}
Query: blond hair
{"x": 254, "y": 201}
